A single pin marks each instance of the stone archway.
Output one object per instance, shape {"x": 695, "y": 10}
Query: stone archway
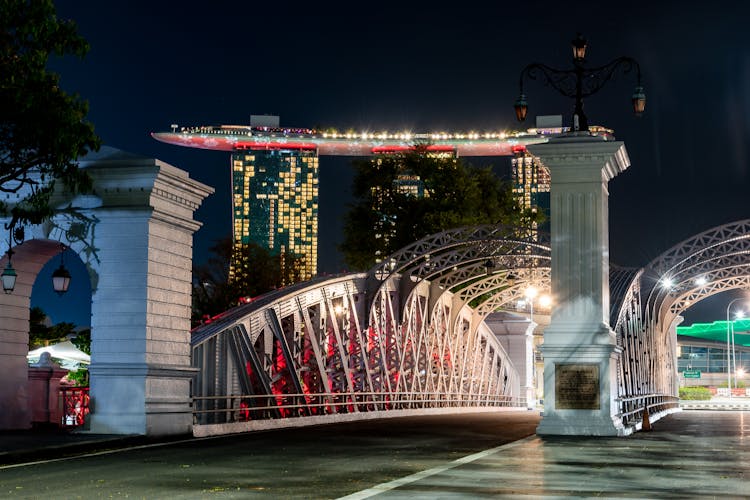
{"x": 28, "y": 259}
{"x": 134, "y": 233}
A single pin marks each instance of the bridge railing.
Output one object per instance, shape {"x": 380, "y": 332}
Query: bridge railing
{"x": 240, "y": 408}
{"x": 632, "y": 408}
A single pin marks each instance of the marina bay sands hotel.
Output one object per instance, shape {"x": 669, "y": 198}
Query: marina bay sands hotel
{"x": 275, "y": 171}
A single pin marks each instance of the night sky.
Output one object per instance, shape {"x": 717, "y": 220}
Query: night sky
{"x": 396, "y": 67}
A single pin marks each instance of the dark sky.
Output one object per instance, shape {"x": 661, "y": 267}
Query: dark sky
{"x": 393, "y": 66}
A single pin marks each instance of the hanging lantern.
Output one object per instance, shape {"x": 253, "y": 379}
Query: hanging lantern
{"x": 61, "y": 276}
{"x": 579, "y": 48}
{"x": 521, "y": 107}
{"x": 9, "y": 278}
{"x": 639, "y": 101}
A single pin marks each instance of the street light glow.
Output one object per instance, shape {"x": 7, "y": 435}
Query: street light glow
{"x": 545, "y": 301}
{"x": 731, "y": 359}
{"x": 531, "y": 292}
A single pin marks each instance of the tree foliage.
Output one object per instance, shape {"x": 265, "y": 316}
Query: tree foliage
{"x": 43, "y": 129}
{"x": 40, "y": 334}
{"x": 82, "y": 341}
{"x": 254, "y": 271}
{"x": 386, "y": 217}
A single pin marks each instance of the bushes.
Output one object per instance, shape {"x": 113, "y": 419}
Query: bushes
{"x": 695, "y": 393}
{"x": 79, "y": 377}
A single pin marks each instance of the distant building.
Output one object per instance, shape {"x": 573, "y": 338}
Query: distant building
{"x": 531, "y": 183}
{"x": 702, "y": 353}
{"x": 275, "y": 202}
{"x": 530, "y": 178}
{"x": 275, "y": 172}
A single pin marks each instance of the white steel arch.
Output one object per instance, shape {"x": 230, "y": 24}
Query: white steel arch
{"x": 649, "y": 308}
{"x": 410, "y": 332}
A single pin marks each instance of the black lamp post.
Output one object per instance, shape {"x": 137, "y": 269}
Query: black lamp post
{"x": 9, "y": 275}
{"x": 580, "y": 82}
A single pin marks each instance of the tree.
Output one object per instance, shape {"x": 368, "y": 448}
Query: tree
{"x": 401, "y": 198}
{"x": 82, "y": 341}
{"x": 42, "y": 334}
{"x": 43, "y": 130}
{"x": 235, "y": 273}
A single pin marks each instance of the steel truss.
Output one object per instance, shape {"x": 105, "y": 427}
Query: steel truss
{"x": 711, "y": 262}
{"x": 397, "y": 337}
{"x": 410, "y": 333}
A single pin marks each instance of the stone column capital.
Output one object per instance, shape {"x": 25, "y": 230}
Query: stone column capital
{"x": 581, "y": 159}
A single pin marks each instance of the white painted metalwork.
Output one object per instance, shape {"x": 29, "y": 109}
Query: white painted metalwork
{"x": 411, "y": 331}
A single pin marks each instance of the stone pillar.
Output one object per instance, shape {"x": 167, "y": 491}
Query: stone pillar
{"x": 140, "y": 368}
{"x": 580, "y": 349}
{"x": 517, "y": 338}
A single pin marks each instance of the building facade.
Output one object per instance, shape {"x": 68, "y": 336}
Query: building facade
{"x": 531, "y": 181}
{"x": 275, "y": 202}
{"x": 275, "y": 173}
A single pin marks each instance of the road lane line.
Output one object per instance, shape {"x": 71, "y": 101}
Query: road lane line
{"x": 396, "y": 483}
{"x": 103, "y": 452}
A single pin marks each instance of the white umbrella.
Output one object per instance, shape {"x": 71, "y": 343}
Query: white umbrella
{"x": 64, "y": 350}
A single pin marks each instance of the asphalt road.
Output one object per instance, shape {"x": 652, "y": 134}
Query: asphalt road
{"x": 315, "y": 462}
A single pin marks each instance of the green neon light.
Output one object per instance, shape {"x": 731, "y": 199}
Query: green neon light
{"x": 717, "y": 331}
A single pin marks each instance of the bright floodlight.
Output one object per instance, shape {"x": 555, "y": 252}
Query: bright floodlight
{"x": 739, "y": 314}
{"x": 531, "y": 292}
{"x": 545, "y": 300}
{"x": 667, "y": 282}
{"x": 700, "y": 281}
{"x": 740, "y": 372}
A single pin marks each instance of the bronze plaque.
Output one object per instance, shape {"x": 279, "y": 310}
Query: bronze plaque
{"x": 577, "y": 386}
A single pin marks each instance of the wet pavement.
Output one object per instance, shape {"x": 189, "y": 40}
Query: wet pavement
{"x": 692, "y": 454}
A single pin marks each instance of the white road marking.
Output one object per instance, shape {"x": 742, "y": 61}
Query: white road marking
{"x": 396, "y": 483}
{"x": 104, "y": 452}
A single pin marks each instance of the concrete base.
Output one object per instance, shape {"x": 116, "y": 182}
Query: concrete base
{"x": 140, "y": 399}
{"x": 579, "y": 423}
{"x": 596, "y": 417}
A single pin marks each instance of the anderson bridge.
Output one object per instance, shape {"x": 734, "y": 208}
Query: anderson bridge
{"x": 417, "y": 332}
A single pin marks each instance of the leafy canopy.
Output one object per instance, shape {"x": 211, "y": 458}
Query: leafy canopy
{"x": 386, "y": 216}
{"x": 42, "y": 128}
{"x": 40, "y": 334}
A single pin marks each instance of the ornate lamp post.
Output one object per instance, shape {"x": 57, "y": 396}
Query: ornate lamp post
{"x": 580, "y": 348}
{"x": 9, "y": 274}
{"x": 580, "y": 82}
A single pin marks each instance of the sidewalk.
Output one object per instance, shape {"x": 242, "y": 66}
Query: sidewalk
{"x": 44, "y": 444}
{"x": 717, "y": 403}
